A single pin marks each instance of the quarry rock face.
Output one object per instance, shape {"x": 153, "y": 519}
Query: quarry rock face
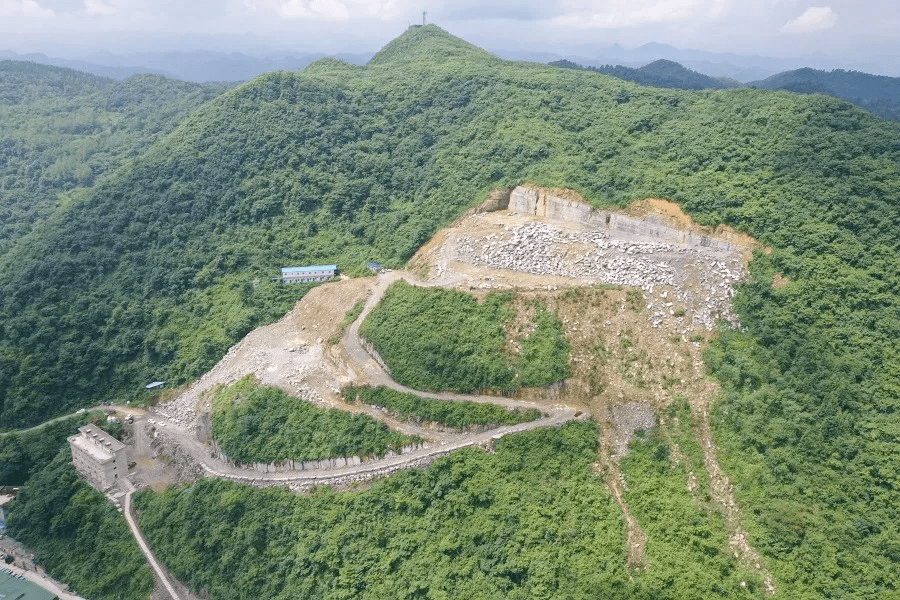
{"x": 544, "y": 205}
{"x": 686, "y": 274}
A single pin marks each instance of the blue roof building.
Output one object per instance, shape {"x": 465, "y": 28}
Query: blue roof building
{"x": 308, "y": 274}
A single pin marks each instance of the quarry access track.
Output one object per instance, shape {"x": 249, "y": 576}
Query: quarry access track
{"x": 363, "y": 367}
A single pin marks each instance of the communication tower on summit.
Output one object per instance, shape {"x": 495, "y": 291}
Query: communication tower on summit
{"x": 423, "y": 17}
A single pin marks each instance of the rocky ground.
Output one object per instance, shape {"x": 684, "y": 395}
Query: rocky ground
{"x": 695, "y": 282}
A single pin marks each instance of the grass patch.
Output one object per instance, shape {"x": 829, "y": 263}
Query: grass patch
{"x": 545, "y": 352}
{"x": 349, "y": 317}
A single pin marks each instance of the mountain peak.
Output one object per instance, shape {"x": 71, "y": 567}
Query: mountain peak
{"x": 426, "y": 42}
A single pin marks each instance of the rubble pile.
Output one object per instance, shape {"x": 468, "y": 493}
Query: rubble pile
{"x": 698, "y": 278}
{"x": 293, "y": 365}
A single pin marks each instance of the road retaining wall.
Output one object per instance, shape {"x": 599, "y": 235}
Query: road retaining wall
{"x": 291, "y": 466}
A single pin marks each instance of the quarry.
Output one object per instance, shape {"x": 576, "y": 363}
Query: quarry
{"x": 639, "y": 292}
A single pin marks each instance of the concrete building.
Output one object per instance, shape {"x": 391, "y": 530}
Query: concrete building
{"x": 308, "y": 274}
{"x": 99, "y": 458}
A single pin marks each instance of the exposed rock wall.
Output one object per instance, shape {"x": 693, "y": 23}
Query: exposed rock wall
{"x": 545, "y": 205}
{"x": 542, "y": 204}
{"x": 498, "y": 200}
{"x": 686, "y": 271}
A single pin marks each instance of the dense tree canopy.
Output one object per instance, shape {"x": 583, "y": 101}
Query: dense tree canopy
{"x": 62, "y": 130}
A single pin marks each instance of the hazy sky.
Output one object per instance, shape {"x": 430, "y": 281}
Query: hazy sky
{"x": 840, "y": 28}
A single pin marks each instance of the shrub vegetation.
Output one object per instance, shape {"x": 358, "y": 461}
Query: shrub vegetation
{"x": 441, "y": 339}
{"x": 253, "y": 423}
{"x": 446, "y": 412}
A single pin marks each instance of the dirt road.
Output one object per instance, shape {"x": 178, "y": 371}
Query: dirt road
{"x": 361, "y": 367}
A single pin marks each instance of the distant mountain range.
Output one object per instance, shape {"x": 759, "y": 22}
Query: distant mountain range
{"x": 743, "y": 68}
{"x": 650, "y": 64}
{"x": 196, "y": 66}
{"x": 660, "y": 73}
{"x": 876, "y": 93}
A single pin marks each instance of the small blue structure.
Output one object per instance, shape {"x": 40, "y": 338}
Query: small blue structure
{"x": 155, "y": 385}
{"x": 373, "y": 266}
{"x": 308, "y": 274}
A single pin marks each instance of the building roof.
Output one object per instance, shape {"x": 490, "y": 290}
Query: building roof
{"x": 15, "y": 587}
{"x": 97, "y": 443}
{"x": 309, "y": 269}
{"x": 154, "y": 384}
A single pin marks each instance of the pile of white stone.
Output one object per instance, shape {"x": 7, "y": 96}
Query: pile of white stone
{"x": 699, "y": 278}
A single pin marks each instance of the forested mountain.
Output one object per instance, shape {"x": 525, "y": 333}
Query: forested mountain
{"x": 196, "y": 65}
{"x": 155, "y": 270}
{"x": 660, "y": 73}
{"x": 61, "y": 130}
{"x": 877, "y": 93}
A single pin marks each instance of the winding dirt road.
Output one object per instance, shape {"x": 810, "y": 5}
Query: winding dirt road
{"x": 362, "y": 367}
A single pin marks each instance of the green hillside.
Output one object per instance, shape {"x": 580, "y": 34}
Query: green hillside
{"x": 157, "y": 269}
{"x": 659, "y": 73}
{"x": 877, "y": 93}
{"x": 531, "y": 521}
{"x": 61, "y": 130}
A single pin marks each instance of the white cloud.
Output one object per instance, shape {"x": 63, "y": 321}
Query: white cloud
{"x": 95, "y": 8}
{"x": 24, "y": 8}
{"x": 816, "y": 18}
{"x": 634, "y": 14}
{"x": 336, "y": 10}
